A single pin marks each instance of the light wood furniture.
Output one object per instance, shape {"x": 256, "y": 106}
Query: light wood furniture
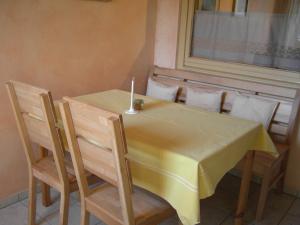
{"x": 281, "y": 127}
{"x": 97, "y": 144}
{"x": 34, "y": 112}
{"x": 166, "y": 134}
{"x": 274, "y": 169}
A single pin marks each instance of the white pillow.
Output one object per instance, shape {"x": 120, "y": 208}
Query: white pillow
{"x": 210, "y": 101}
{"x": 161, "y": 91}
{"x": 255, "y": 109}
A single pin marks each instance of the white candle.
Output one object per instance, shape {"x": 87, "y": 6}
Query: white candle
{"x": 132, "y": 94}
{"x": 131, "y": 110}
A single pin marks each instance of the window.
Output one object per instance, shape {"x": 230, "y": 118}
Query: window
{"x": 245, "y": 39}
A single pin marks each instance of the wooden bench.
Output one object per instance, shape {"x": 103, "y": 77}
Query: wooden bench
{"x": 281, "y": 129}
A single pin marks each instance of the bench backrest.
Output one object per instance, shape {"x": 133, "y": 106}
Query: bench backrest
{"x": 283, "y": 123}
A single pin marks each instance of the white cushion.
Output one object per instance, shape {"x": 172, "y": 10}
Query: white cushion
{"x": 207, "y": 100}
{"x": 161, "y": 91}
{"x": 255, "y": 109}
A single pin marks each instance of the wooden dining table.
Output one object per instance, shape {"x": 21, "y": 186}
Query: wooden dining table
{"x": 180, "y": 153}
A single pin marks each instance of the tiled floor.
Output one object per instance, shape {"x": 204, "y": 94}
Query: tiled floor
{"x": 217, "y": 210}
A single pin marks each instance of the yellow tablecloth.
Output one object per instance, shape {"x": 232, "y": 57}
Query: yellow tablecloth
{"x": 180, "y": 153}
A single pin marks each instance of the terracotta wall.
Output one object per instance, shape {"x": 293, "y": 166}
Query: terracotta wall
{"x": 70, "y": 47}
{"x": 226, "y": 6}
{"x": 165, "y": 56}
{"x": 166, "y": 33}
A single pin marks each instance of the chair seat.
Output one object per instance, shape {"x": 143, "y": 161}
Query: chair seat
{"x": 45, "y": 170}
{"x": 266, "y": 159}
{"x": 148, "y": 208}
{"x": 263, "y": 159}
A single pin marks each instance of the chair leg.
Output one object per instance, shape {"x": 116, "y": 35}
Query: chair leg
{"x": 244, "y": 189}
{"x": 263, "y": 195}
{"x": 283, "y": 167}
{"x": 46, "y": 197}
{"x": 64, "y": 208}
{"x": 280, "y": 185}
{"x": 32, "y": 200}
{"x": 85, "y": 215}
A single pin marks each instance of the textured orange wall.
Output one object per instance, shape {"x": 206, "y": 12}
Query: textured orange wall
{"x": 166, "y": 33}
{"x": 226, "y": 5}
{"x": 70, "y": 47}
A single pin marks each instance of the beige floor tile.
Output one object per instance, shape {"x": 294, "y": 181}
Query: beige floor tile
{"x": 219, "y": 209}
{"x": 74, "y": 217}
{"x": 17, "y": 214}
{"x": 45, "y": 212}
{"x": 279, "y": 202}
{"x": 290, "y": 220}
{"x": 222, "y": 200}
{"x": 228, "y": 221}
{"x": 295, "y": 209}
{"x": 75, "y": 195}
{"x": 230, "y": 183}
{"x": 249, "y": 218}
{"x": 11, "y": 200}
{"x": 13, "y": 215}
{"x": 212, "y": 216}
{"x": 226, "y": 195}
{"x": 276, "y": 207}
{"x": 171, "y": 221}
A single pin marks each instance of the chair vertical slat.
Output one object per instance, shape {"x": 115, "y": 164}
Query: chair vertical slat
{"x": 21, "y": 125}
{"x": 55, "y": 140}
{"x": 126, "y": 151}
{"x": 123, "y": 171}
{"x": 74, "y": 149}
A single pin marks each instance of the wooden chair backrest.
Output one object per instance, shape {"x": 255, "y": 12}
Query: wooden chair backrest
{"x": 34, "y": 112}
{"x": 97, "y": 144}
{"x": 281, "y": 126}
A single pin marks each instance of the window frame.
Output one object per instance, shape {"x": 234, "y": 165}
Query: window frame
{"x": 224, "y": 69}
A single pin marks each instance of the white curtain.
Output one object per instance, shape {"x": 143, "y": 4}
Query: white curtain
{"x": 263, "y": 39}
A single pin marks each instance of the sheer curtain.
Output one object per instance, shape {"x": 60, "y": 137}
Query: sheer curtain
{"x": 259, "y": 38}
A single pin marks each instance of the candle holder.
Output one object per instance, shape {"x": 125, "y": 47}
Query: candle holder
{"x": 131, "y": 111}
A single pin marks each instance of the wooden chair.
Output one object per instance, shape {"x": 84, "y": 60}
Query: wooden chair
{"x": 274, "y": 169}
{"x": 34, "y": 112}
{"x": 97, "y": 144}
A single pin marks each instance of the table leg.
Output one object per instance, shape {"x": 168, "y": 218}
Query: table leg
{"x": 46, "y": 198}
{"x": 244, "y": 189}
